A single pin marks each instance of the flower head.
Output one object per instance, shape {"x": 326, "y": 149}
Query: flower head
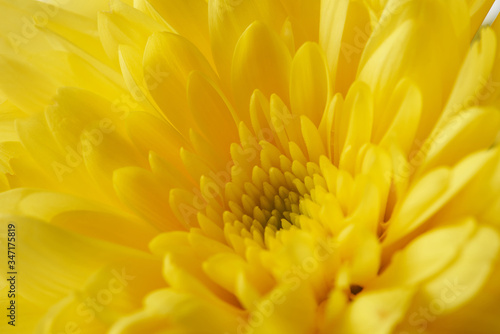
{"x": 249, "y": 166}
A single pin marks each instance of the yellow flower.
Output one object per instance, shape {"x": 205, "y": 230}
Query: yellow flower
{"x": 249, "y": 167}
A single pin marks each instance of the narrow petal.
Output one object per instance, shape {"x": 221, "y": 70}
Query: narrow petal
{"x": 171, "y": 58}
{"x": 309, "y": 82}
{"x": 228, "y": 19}
{"x": 403, "y": 45}
{"x": 261, "y": 61}
{"x": 380, "y": 311}
{"x": 186, "y": 18}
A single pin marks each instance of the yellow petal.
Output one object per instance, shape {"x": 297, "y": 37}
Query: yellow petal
{"x": 125, "y": 25}
{"x": 431, "y": 192}
{"x": 471, "y": 130}
{"x": 359, "y": 110}
{"x": 136, "y": 80}
{"x": 149, "y": 133}
{"x": 309, "y": 82}
{"x": 140, "y": 190}
{"x": 75, "y": 259}
{"x": 61, "y": 168}
{"x": 472, "y": 85}
{"x": 361, "y": 249}
{"x": 380, "y": 311}
{"x": 19, "y": 35}
{"x": 312, "y": 139}
{"x": 344, "y": 30}
{"x": 261, "y": 61}
{"x": 89, "y": 8}
{"x": 478, "y": 195}
{"x": 79, "y": 215}
{"x": 426, "y": 256}
{"x": 186, "y": 18}
{"x": 169, "y": 308}
{"x": 467, "y": 274}
{"x": 229, "y": 19}
{"x": 376, "y": 163}
{"x": 211, "y": 111}
{"x": 326, "y": 128}
{"x": 292, "y": 310}
{"x": 183, "y": 266}
{"x": 171, "y": 58}
{"x": 403, "y": 45}
{"x": 8, "y": 114}
{"x": 74, "y": 33}
{"x": 110, "y": 294}
{"x": 400, "y": 121}
{"x": 304, "y": 17}
{"x": 17, "y": 76}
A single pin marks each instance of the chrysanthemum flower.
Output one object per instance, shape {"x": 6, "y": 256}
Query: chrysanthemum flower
{"x": 250, "y": 166}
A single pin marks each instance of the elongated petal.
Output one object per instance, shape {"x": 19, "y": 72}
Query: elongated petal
{"x": 170, "y": 58}
{"x": 259, "y": 46}
{"x": 309, "y": 82}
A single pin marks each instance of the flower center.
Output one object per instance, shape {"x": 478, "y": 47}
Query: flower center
{"x": 272, "y": 198}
